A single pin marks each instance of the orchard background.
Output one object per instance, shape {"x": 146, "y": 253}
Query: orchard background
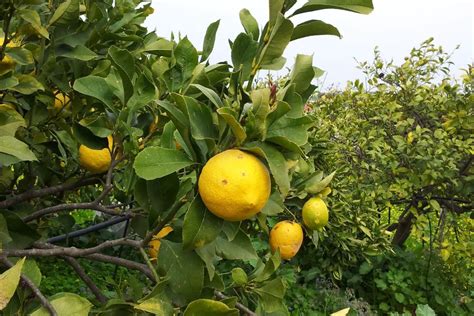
{"x": 106, "y": 129}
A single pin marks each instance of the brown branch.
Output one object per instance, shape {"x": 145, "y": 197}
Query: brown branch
{"x": 46, "y": 251}
{"x": 47, "y": 191}
{"x": 68, "y": 207}
{"x": 244, "y": 309}
{"x": 36, "y": 291}
{"x": 104, "y": 258}
{"x": 87, "y": 280}
{"x": 124, "y": 263}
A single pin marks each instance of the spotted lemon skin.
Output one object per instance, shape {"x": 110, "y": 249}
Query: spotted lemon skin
{"x": 96, "y": 160}
{"x": 288, "y": 237}
{"x": 234, "y": 185}
{"x": 315, "y": 213}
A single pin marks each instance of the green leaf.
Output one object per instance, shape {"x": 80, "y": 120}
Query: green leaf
{"x": 243, "y": 53}
{"x": 424, "y": 310}
{"x": 206, "y": 307}
{"x": 33, "y": 18}
{"x": 21, "y": 234}
{"x": 27, "y": 84}
{"x": 270, "y": 267}
{"x": 125, "y": 64}
{"x": 358, "y": 6}
{"x": 66, "y": 304}
{"x": 314, "y": 28}
{"x": 302, "y": 73}
{"x": 186, "y": 57}
{"x": 210, "y": 94}
{"x": 157, "y": 196}
{"x": 21, "y": 55}
{"x": 271, "y": 295}
{"x": 279, "y": 39}
{"x": 10, "y": 121}
{"x": 313, "y": 185}
{"x": 274, "y": 205}
{"x": 79, "y": 52}
{"x": 239, "y": 276}
{"x": 85, "y": 137}
{"x": 11, "y": 146}
{"x": 9, "y": 282}
{"x": 276, "y": 7}
{"x": 30, "y": 270}
{"x": 184, "y": 268}
{"x": 208, "y": 254}
{"x": 399, "y": 297}
{"x": 240, "y": 248}
{"x": 96, "y": 87}
{"x": 5, "y": 237}
{"x": 66, "y": 12}
{"x": 290, "y": 132}
{"x": 200, "y": 118}
{"x": 276, "y": 162}
{"x": 156, "y": 162}
{"x": 209, "y": 40}
{"x": 8, "y": 82}
{"x": 144, "y": 93}
{"x": 249, "y": 23}
{"x": 156, "y": 305}
{"x": 230, "y": 117}
{"x": 200, "y": 226}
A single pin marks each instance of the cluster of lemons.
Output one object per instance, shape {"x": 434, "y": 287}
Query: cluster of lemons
{"x": 235, "y": 185}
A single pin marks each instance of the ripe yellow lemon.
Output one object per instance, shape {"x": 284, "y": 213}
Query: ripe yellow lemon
{"x": 155, "y": 243}
{"x": 315, "y": 213}
{"x": 60, "y": 100}
{"x": 96, "y": 160}
{"x": 288, "y": 237}
{"x": 7, "y": 62}
{"x": 234, "y": 185}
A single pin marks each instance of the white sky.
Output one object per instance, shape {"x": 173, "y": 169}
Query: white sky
{"x": 395, "y": 26}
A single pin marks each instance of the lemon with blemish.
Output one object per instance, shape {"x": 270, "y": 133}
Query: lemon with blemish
{"x": 234, "y": 185}
{"x": 286, "y": 236}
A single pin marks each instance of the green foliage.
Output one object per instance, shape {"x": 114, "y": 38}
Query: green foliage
{"x": 168, "y": 111}
{"x": 400, "y": 282}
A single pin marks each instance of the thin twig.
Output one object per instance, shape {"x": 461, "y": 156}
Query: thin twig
{"x": 6, "y": 28}
{"x": 87, "y": 280}
{"x": 47, "y": 191}
{"x": 67, "y": 251}
{"x": 68, "y": 207}
{"x": 36, "y": 291}
{"x": 244, "y": 309}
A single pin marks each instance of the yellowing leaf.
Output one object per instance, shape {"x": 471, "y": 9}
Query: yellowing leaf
{"x": 8, "y": 283}
{"x": 342, "y": 312}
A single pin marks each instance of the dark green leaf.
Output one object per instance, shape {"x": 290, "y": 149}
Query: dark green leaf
{"x": 206, "y": 307}
{"x": 249, "y": 23}
{"x": 200, "y": 226}
{"x": 314, "y": 28}
{"x": 209, "y": 40}
{"x": 156, "y": 162}
{"x": 240, "y": 248}
{"x": 184, "y": 269}
{"x": 358, "y": 6}
{"x": 78, "y": 52}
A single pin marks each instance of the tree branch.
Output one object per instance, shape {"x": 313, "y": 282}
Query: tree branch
{"x": 87, "y": 280}
{"x": 244, "y": 309}
{"x": 47, "y": 191}
{"x": 6, "y": 28}
{"x": 36, "y": 291}
{"x": 67, "y": 251}
{"x": 68, "y": 207}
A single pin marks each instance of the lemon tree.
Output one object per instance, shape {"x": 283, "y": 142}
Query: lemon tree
{"x": 101, "y": 116}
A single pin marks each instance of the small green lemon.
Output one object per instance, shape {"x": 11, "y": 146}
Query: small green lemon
{"x": 315, "y": 213}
